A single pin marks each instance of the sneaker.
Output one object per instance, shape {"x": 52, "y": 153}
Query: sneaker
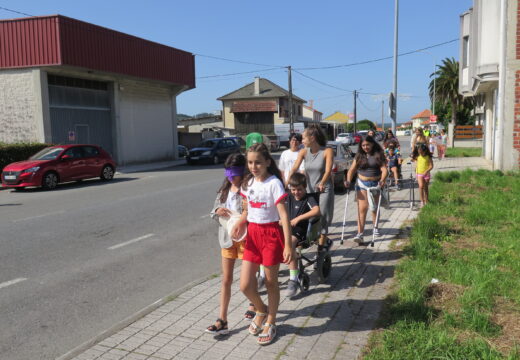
{"x": 261, "y": 282}
{"x": 398, "y": 186}
{"x": 376, "y": 232}
{"x": 358, "y": 238}
{"x": 292, "y": 288}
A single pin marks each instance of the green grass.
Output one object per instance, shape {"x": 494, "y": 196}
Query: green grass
{"x": 463, "y": 152}
{"x": 468, "y": 237}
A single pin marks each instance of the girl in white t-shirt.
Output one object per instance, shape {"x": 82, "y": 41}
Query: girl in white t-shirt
{"x": 229, "y": 201}
{"x": 266, "y": 244}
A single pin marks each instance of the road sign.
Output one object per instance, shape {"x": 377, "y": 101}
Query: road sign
{"x": 391, "y": 105}
{"x": 72, "y": 136}
{"x": 433, "y": 118}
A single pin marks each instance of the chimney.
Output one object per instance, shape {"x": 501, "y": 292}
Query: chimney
{"x": 311, "y": 104}
{"x": 257, "y": 86}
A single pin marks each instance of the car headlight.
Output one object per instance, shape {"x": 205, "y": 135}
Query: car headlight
{"x": 31, "y": 170}
{"x": 206, "y": 152}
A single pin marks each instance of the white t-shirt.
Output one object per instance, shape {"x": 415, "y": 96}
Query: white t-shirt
{"x": 287, "y": 160}
{"x": 262, "y": 198}
{"x": 231, "y": 201}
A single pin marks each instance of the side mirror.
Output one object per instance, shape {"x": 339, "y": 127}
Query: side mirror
{"x": 65, "y": 157}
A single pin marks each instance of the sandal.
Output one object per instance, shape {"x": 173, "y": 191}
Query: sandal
{"x": 269, "y": 336}
{"x": 220, "y": 329}
{"x": 255, "y": 329}
{"x": 250, "y": 314}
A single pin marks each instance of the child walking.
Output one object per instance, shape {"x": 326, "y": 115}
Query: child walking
{"x": 423, "y": 157}
{"x": 266, "y": 244}
{"x": 227, "y": 203}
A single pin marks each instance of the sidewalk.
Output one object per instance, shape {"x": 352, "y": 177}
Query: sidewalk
{"x": 330, "y": 321}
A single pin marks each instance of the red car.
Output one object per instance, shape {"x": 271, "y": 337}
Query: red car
{"x": 57, "y": 164}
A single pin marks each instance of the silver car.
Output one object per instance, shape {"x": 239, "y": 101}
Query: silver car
{"x": 343, "y": 158}
{"x": 345, "y": 138}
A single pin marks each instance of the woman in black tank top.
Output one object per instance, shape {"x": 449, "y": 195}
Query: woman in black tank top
{"x": 370, "y": 167}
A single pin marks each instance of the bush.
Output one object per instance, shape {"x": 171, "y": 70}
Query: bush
{"x": 10, "y": 153}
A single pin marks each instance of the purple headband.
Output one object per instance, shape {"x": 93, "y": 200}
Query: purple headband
{"x": 232, "y": 171}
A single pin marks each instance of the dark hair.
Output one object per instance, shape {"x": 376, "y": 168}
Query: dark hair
{"x": 424, "y": 148}
{"x": 317, "y": 132}
{"x": 388, "y": 135}
{"x": 235, "y": 159}
{"x": 297, "y": 136}
{"x": 298, "y": 179}
{"x": 377, "y": 151}
{"x": 271, "y": 169}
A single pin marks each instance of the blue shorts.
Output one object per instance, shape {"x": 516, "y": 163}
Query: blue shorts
{"x": 369, "y": 183}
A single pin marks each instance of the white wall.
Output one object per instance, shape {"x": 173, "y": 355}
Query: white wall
{"x": 20, "y": 106}
{"x": 489, "y": 19}
{"x": 144, "y": 122}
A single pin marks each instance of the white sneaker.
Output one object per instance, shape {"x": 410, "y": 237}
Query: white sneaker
{"x": 376, "y": 232}
{"x": 358, "y": 238}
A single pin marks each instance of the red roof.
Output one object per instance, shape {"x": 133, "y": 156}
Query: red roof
{"x": 423, "y": 114}
{"x": 58, "y": 40}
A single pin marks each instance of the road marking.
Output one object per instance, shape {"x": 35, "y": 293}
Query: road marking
{"x": 130, "y": 241}
{"x": 11, "y": 282}
{"x": 39, "y": 216}
{"x": 204, "y": 216}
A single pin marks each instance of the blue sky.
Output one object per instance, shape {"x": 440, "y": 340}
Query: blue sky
{"x": 279, "y": 33}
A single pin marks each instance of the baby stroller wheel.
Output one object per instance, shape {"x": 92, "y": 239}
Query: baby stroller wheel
{"x": 324, "y": 266}
{"x": 304, "y": 281}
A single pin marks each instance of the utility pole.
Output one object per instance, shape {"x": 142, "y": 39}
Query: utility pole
{"x": 355, "y": 112}
{"x": 383, "y": 115}
{"x": 394, "y": 107}
{"x": 291, "y": 120}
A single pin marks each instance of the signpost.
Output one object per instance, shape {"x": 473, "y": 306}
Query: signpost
{"x": 433, "y": 119}
{"x": 72, "y": 136}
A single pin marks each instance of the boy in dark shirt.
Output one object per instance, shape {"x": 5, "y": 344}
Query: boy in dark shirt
{"x": 394, "y": 161}
{"x": 301, "y": 208}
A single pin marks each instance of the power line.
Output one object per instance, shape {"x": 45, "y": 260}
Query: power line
{"x": 238, "y": 73}
{"x": 321, "y": 82}
{"x": 376, "y": 60}
{"x": 14, "y": 11}
{"x": 236, "y": 61}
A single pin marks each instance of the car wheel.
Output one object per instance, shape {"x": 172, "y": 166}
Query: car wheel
{"x": 50, "y": 181}
{"x": 107, "y": 173}
{"x": 215, "y": 160}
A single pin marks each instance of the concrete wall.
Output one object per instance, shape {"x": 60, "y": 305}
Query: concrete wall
{"x": 144, "y": 122}
{"x": 21, "y": 116}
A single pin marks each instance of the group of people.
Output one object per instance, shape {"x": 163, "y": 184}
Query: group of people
{"x": 271, "y": 204}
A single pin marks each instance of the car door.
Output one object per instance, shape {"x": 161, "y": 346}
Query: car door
{"x": 72, "y": 164}
{"x": 221, "y": 149}
{"x": 93, "y": 161}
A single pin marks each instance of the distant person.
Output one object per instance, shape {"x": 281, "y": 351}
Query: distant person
{"x": 301, "y": 208}
{"x": 442, "y": 144}
{"x": 426, "y": 131}
{"x": 289, "y": 156}
{"x": 423, "y": 157}
{"x": 227, "y": 203}
{"x": 390, "y": 138}
{"x": 371, "y": 169}
{"x": 418, "y": 139}
{"x": 394, "y": 161}
{"x": 318, "y": 170}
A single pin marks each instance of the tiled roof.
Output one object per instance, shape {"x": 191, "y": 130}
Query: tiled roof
{"x": 268, "y": 89}
{"x": 423, "y": 114}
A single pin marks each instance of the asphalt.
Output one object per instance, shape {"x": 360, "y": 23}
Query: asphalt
{"x": 332, "y": 320}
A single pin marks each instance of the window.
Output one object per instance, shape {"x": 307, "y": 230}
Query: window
{"x": 90, "y": 151}
{"x": 74, "y": 153}
{"x": 465, "y": 52}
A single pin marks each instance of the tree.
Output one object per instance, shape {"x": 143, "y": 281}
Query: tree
{"x": 365, "y": 124}
{"x": 447, "y": 91}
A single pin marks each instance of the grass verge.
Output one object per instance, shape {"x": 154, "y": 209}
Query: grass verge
{"x": 468, "y": 239}
{"x": 463, "y": 152}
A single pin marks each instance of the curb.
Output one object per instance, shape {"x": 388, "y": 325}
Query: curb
{"x": 129, "y": 320}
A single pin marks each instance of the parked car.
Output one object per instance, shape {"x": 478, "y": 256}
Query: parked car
{"x": 240, "y": 141}
{"x": 343, "y": 158}
{"x": 357, "y": 138}
{"x": 59, "y": 164}
{"x": 345, "y": 138}
{"x": 212, "y": 150}
{"x": 182, "y": 150}
{"x": 407, "y": 133}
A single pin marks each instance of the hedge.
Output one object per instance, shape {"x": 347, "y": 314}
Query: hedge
{"x": 10, "y": 153}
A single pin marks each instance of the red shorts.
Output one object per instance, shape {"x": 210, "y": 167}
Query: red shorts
{"x": 264, "y": 244}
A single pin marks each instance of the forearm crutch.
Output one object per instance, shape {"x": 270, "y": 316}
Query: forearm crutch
{"x": 344, "y": 217}
{"x": 377, "y": 216}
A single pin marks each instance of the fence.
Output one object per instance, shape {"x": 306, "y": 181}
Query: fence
{"x": 468, "y": 132}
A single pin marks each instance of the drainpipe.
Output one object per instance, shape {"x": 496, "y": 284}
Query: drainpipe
{"x": 499, "y": 139}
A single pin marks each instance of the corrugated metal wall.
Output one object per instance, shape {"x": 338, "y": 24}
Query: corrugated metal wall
{"x": 29, "y": 42}
{"x": 58, "y": 40}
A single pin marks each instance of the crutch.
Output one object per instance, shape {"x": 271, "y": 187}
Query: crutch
{"x": 344, "y": 217}
{"x": 377, "y": 217}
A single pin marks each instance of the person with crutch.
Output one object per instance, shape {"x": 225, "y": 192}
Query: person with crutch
{"x": 370, "y": 167}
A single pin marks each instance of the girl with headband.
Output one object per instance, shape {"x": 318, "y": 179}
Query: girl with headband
{"x": 227, "y": 204}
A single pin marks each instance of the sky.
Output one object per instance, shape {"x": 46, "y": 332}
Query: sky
{"x": 263, "y": 37}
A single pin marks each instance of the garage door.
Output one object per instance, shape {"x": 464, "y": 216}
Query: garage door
{"x": 80, "y": 112}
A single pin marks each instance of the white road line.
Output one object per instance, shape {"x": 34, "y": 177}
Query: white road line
{"x": 11, "y": 282}
{"x": 39, "y": 216}
{"x": 130, "y": 241}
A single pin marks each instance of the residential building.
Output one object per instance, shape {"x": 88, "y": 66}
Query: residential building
{"x": 67, "y": 81}
{"x": 490, "y": 73}
{"x": 257, "y": 106}
{"x": 310, "y": 114}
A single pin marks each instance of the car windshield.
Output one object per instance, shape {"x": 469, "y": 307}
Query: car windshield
{"x": 342, "y": 135}
{"x": 47, "y": 154}
{"x": 207, "y": 144}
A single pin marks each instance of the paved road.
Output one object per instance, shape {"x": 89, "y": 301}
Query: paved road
{"x": 76, "y": 260}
